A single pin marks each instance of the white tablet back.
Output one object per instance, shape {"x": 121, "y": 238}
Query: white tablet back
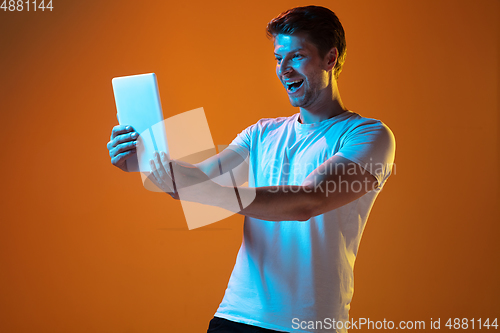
{"x": 138, "y": 105}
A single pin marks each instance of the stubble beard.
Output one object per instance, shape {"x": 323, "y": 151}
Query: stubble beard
{"x": 310, "y": 94}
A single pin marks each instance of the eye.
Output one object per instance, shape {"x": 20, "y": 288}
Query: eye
{"x": 278, "y": 60}
{"x": 298, "y": 56}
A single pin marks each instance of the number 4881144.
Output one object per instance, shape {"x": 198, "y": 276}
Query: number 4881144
{"x": 20, "y": 5}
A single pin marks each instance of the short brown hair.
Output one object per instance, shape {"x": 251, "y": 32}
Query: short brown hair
{"x": 320, "y": 24}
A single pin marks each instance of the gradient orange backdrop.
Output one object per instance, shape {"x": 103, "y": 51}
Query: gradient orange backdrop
{"x": 84, "y": 248}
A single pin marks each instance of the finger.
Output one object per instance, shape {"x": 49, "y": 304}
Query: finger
{"x": 120, "y": 158}
{"x": 168, "y": 167}
{"x": 123, "y": 148}
{"x": 165, "y": 161}
{"x": 162, "y": 168}
{"x": 122, "y": 138}
{"x": 167, "y": 164}
{"x": 120, "y": 129}
{"x": 162, "y": 163}
{"x": 162, "y": 172}
{"x": 154, "y": 170}
{"x": 163, "y": 183}
{"x": 154, "y": 174}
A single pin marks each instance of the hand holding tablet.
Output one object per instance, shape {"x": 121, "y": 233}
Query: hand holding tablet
{"x": 122, "y": 146}
{"x": 138, "y": 106}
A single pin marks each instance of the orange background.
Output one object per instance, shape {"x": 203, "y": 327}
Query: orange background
{"x": 84, "y": 248}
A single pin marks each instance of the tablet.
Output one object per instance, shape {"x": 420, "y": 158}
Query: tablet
{"x": 138, "y": 104}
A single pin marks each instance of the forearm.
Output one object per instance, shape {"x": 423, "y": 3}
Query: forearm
{"x": 286, "y": 202}
{"x": 271, "y": 203}
{"x": 318, "y": 194}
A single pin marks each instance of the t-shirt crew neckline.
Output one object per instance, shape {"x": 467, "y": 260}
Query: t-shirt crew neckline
{"x": 306, "y": 128}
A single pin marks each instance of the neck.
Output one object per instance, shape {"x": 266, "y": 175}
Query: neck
{"x": 327, "y": 105}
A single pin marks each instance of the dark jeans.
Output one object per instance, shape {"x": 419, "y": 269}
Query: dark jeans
{"x": 221, "y": 325}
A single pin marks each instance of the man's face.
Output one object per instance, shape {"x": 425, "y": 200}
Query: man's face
{"x": 300, "y": 69}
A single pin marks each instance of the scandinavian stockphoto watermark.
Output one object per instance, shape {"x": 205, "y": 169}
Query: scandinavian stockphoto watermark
{"x": 353, "y": 324}
{"x": 368, "y": 324}
{"x": 296, "y": 173}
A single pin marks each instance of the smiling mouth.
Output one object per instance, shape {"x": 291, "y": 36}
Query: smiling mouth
{"x": 293, "y": 86}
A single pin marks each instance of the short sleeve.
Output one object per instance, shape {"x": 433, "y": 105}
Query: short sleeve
{"x": 243, "y": 142}
{"x": 372, "y": 145}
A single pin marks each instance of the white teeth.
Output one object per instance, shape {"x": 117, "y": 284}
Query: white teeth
{"x": 289, "y": 84}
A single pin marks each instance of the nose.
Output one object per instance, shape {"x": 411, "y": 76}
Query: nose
{"x": 284, "y": 69}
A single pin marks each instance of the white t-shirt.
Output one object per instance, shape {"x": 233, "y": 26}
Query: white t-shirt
{"x": 291, "y": 272}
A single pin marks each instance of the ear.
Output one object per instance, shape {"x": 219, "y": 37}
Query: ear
{"x": 331, "y": 59}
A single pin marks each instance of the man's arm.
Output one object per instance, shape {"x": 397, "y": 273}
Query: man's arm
{"x": 333, "y": 184}
{"x": 226, "y": 161}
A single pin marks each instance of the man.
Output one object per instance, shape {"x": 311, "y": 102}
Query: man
{"x": 315, "y": 176}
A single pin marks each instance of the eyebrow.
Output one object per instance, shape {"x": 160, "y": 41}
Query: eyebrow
{"x": 292, "y": 51}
